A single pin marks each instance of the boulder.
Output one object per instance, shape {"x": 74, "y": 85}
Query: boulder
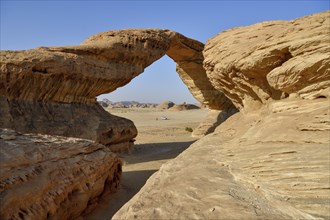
{"x": 53, "y": 177}
{"x": 271, "y": 60}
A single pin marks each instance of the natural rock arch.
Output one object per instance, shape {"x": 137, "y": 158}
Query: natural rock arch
{"x": 59, "y": 85}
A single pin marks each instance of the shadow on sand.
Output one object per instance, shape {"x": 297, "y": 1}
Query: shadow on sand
{"x": 155, "y": 151}
{"x": 133, "y": 181}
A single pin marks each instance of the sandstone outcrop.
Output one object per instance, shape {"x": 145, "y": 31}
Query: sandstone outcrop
{"x": 53, "y": 177}
{"x": 89, "y": 121}
{"x": 271, "y": 159}
{"x": 273, "y": 164}
{"x": 47, "y": 80}
{"x": 271, "y": 60}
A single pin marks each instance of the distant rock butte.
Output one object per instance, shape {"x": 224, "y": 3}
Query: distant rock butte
{"x": 53, "y": 177}
{"x": 182, "y": 107}
{"x": 166, "y": 105}
{"x": 47, "y": 80}
{"x": 271, "y": 60}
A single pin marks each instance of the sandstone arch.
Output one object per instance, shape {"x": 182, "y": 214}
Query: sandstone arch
{"x": 58, "y": 85}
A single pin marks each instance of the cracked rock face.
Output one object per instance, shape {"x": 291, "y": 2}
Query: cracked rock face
{"x": 270, "y": 60}
{"x": 53, "y": 177}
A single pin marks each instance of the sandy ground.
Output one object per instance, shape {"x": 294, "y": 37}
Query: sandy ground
{"x": 157, "y": 142}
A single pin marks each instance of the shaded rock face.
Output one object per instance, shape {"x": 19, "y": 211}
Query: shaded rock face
{"x": 81, "y": 120}
{"x": 59, "y": 77}
{"x": 213, "y": 119}
{"x": 273, "y": 164}
{"x": 52, "y": 177}
{"x": 268, "y": 61}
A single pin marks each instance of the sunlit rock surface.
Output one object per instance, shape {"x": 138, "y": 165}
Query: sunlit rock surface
{"x": 270, "y": 60}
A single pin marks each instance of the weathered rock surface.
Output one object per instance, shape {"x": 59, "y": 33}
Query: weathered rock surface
{"x": 68, "y": 119}
{"x": 270, "y": 60}
{"x": 270, "y": 164}
{"x": 72, "y": 76}
{"x": 53, "y": 177}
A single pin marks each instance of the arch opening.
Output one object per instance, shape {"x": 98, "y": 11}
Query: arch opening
{"x": 159, "y": 82}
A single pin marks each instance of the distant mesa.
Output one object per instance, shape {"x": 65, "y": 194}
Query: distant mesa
{"x": 106, "y": 103}
{"x": 166, "y": 105}
{"x": 183, "y": 107}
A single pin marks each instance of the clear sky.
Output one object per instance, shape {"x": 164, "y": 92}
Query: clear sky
{"x": 28, "y": 24}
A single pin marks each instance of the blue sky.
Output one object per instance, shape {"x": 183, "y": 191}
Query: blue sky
{"x": 29, "y": 24}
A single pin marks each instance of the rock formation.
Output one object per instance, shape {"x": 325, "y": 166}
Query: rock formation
{"x": 183, "y": 107}
{"x": 271, "y": 167}
{"x": 166, "y": 105}
{"x": 270, "y": 60}
{"x": 270, "y": 160}
{"x": 53, "y": 177}
{"x": 47, "y": 80}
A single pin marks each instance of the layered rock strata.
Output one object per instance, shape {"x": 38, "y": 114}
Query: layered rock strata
{"x": 52, "y": 177}
{"x": 68, "y": 119}
{"x": 271, "y": 60}
{"x": 67, "y": 80}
